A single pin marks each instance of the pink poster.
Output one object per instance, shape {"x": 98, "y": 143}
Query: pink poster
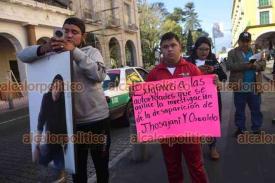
{"x": 183, "y": 107}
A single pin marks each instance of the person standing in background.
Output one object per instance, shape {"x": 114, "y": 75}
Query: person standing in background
{"x": 206, "y": 61}
{"x": 245, "y": 75}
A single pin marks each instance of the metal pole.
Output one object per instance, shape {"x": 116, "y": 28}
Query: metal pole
{"x": 214, "y": 43}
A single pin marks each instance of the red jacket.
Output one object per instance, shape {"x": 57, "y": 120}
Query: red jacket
{"x": 183, "y": 68}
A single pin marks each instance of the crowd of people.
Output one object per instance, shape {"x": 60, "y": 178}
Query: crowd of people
{"x": 92, "y": 113}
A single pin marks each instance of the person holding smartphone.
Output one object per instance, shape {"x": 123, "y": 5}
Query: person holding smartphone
{"x": 206, "y": 61}
{"x": 245, "y": 76}
{"x": 91, "y": 112}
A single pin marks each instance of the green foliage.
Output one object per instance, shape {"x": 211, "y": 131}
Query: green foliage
{"x": 191, "y": 18}
{"x": 155, "y": 20}
{"x": 176, "y": 15}
{"x": 190, "y": 42}
{"x": 150, "y": 19}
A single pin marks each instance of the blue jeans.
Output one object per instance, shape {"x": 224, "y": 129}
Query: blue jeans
{"x": 52, "y": 152}
{"x": 254, "y": 101}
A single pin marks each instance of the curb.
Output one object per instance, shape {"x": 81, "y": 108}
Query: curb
{"x": 8, "y": 111}
{"x": 112, "y": 163}
{"x": 14, "y": 113}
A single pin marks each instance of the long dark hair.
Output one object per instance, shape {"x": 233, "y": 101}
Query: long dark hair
{"x": 199, "y": 42}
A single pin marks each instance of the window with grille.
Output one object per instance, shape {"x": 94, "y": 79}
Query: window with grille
{"x": 263, "y": 3}
{"x": 264, "y": 17}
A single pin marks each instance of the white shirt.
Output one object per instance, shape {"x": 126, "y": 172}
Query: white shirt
{"x": 199, "y": 62}
{"x": 171, "y": 69}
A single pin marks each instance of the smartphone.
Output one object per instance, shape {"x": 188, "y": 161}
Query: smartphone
{"x": 59, "y": 33}
{"x": 252, "y": 61}
{"x": 212, "y": 63}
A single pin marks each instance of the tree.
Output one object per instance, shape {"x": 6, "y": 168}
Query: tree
{"x": 191, "y": 18}
{"x": 160, "y": 6}
{"x": 151, "y": 19}
{"x": 189, "y": 43}
{"x": 155, "y": 20}
{"x": 173, "y": 22}
{"x": 177, "y": 15}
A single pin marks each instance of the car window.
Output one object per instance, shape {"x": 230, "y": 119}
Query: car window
{"x": 143, "y": 73}
{"x": 132, "y": 76}
{"x": 111, "y": 80}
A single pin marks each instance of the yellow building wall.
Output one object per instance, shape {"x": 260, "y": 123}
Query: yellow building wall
{"x": 250, "y": 9}
{"x": 251, "y": 17}
{"x": 257, "y": 31}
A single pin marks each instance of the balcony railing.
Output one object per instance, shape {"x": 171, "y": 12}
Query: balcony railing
{"x": 59, "y": 3}
{"x": 113, "y": 22}
{"x": 131, "y": 28}
{"x": 92, "y": 17}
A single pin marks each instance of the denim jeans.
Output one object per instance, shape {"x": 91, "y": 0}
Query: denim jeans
{"x": 254, "y": 101}
{"x": 52, "y": 152}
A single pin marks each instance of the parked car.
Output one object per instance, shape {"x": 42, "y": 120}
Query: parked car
{"x": 116, "y": 89}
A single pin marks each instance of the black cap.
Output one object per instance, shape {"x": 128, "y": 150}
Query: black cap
{"x": 245, "y": 36}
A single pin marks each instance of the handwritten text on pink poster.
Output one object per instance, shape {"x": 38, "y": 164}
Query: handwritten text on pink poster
{"x": 182, "y": 107}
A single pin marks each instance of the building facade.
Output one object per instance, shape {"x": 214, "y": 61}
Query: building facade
{"x": 111, "y": 25}
{"x": 256, "y": 17}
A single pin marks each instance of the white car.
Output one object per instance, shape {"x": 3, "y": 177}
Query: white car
{"x": 116, "y": 89}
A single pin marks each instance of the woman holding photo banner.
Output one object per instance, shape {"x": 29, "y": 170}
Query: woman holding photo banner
{"x": 206, "y": 61}
{"x": 91, "y": 113}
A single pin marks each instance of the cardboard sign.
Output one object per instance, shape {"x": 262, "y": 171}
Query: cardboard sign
{"x": 182, "y": 107}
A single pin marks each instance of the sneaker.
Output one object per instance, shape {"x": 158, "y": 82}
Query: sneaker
{"x": 61, "y": 177}
{"x": 214, "y": 154}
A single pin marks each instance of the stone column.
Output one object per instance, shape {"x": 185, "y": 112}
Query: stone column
{"x": 31, "y": 34}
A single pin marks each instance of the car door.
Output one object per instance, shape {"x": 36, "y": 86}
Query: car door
{"x": 143, "y": 73}
{"x": 111, "y": 86}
